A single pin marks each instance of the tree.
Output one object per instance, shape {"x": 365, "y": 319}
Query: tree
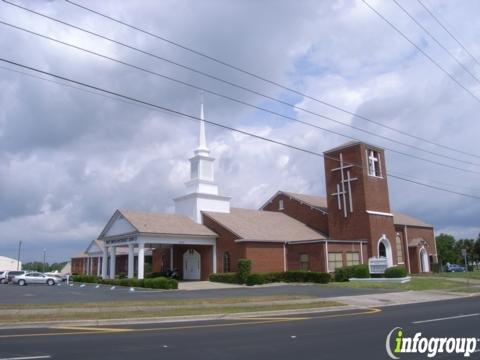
{"x": 446, "y": 248}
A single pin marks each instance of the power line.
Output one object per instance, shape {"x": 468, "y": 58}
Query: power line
{"x": 251, "y": 74}
{"x": 448, "y": 31}
{"x": 96, "y": 93}
{"x": 246, "y": 103}
{"x": 194, "y": 118}
{"x": 436, "y": 41}
{"x": 475, "y": 97}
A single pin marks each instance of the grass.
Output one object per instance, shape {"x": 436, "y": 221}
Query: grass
{"x": 19, "y": 318}
{"x": 163, "y": 302}
{"x": 465, "y": 275}
{"x": 417, "y": 283}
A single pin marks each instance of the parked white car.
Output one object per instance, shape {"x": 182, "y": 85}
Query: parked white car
{"x": 34, "y": 278}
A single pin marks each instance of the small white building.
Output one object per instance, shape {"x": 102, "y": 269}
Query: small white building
{"x": 9, "y": 264}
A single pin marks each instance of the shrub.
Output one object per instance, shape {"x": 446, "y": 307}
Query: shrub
{"x": 436, "y": 268}
{"x": 396, "y": 272}
{"x": 229, "y": 278}
{"x": 353, "y": 271}
{"x": 255, "y": 279}
{"x": 84, "y": 278}
{"x": 244, "y": 269}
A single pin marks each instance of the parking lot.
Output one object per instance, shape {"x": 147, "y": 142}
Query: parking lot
{"x": 42, "y": 294}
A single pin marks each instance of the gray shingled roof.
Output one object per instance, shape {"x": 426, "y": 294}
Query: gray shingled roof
{"x": 318, "y": 202}
{"x": 159, "y": 223}
{"x": 264, "y": 226}
{"x": 402, "y": 219}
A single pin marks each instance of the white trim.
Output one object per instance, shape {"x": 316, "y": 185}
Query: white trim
{"x": 361, "y": 253}
{"x": 426, "y": 260}
{"x": 141, "y": 260}
{"x": 214, "y": 258}
{"x": 326, "y": 257}
{"x": 388, "y": 249}
{"x": 380, "y": 213}
{"x": 284, "y": 257}
{"x": 407, "y": 248}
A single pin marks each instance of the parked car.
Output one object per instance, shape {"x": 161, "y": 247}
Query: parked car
{"x": 455, "y": 268}
{"x": 3, "y": 275}
{"x": 12, "y": 274}
{"x": 34, "y": 278}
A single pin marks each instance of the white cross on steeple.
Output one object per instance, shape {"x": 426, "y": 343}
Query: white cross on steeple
{"x": 344, "y": 188}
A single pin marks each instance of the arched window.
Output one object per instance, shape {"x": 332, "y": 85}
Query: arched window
{"x": 382, "y": 251}
{"x": 226, "y": 261}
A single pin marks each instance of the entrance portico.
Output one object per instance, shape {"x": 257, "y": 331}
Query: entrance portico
{"x": 136, "y": 232}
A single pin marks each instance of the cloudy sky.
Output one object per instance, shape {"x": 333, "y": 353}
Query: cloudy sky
{"x": 69, "y": 158}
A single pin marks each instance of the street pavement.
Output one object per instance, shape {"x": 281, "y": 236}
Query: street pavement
{"x": 41, "y": 294}
{"x": 353, "y": 334}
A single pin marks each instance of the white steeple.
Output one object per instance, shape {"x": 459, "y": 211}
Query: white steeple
{"x": 202, "y": 191}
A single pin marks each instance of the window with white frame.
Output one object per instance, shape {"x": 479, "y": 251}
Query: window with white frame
{"x": 304, "y": 262}
{"x": 335, "y": 261}
{"x": 398, "y": 241}
{"x": 374, "y": 163}
{"x": 226, "y": 261}
{"x": 353, "y": 258}
{"x": 280, "y": 204}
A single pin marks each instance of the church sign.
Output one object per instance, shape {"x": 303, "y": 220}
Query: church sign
{"x": 377, "y": 265}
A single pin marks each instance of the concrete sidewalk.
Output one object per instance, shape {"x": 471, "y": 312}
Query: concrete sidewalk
{"x": 205, "y": 285}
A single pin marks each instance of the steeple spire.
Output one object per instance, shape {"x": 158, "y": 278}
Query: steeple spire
{"x": 202, "y": 140}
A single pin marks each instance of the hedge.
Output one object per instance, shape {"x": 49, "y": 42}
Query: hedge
{"x": 244, "y": 269}
{"x": 229, "y": 278}
{"x": 354, "y": 271}
{"x": 271, "y": 277}
{"x": 152, "y": 283}
{"x": 396, "y": 272}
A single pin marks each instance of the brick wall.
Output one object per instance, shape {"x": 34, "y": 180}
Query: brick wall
{"x": 205, "y": 258}
{"x": 302, "y": 212}
{"x": 265, "y": 257}
{"x": 225, "y": 243}
{"x": 315, "y": 252}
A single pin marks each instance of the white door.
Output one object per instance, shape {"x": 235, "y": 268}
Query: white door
{"x": 191, "y": 265}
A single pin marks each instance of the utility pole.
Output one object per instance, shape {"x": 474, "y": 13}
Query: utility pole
{"x": 18, "y": 258}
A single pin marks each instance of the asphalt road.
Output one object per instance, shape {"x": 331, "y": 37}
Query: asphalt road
{"x": 343, "y": 335}
{"x": 42, "y": 294}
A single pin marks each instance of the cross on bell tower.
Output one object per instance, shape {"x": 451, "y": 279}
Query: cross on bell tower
{"x": 344, "y": 187}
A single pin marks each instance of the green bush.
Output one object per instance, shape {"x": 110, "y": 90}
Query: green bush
{"x": 255, "y": 279}
{"x": 436, "y": 268}
{"x": 152, "y": 283}
{"x": 396, "y": 272}
{"x": 84, "y": 278}
{"x": 244, "y": 269}
{"x": 353, "y": 271}
{"x": 229, "y": 278}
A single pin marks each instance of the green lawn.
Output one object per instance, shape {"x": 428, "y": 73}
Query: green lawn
{"x": 417, "y": 283}
{"x": 467, "y": 275}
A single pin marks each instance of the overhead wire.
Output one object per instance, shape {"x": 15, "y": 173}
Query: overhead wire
{"x": 210, "y": 122}
{"x": 250, "y": 74}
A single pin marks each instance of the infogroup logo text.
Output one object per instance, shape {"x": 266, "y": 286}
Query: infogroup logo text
{"x": 429, "y": 346}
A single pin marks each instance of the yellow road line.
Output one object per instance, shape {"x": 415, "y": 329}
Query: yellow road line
{"x": 94, "y": 329}
{"x": 248, "y": 321}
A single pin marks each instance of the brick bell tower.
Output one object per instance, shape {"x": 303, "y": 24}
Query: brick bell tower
{"x": 357, "y": 198}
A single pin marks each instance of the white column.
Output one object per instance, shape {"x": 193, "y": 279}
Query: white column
{"x": 98, "y": 265}
{"x": 141, "y": 259}
{"x": 326, "y": 256}
{"x": 284, "y": 257}
{"x": 214, "y": 258}
{"x": 131, "y": 257}
{"x": 113, "y": 257}
{"x": 171, "y": 257}
{"x": 104, "y": 262}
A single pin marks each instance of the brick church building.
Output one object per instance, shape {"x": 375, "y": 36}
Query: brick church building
{"x": 351, "y": 224}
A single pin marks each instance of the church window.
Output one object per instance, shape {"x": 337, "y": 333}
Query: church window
{"x": 353, "y": 258}
{"x": 280, "y": 204}
{"x": 335, "y": 261}
{"x": 382, "y": 250}
{"x": 398, "y": 241}
{"x": 304, "y": 263}
{"x": 226, "y": 262}
{"x": 374, "y": 165}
